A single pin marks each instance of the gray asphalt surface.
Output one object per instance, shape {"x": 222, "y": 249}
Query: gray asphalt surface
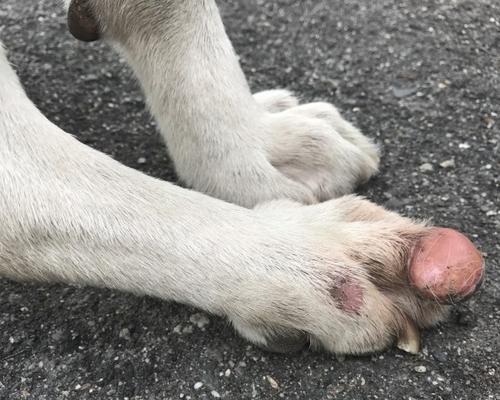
{"x": 422, "y": 77}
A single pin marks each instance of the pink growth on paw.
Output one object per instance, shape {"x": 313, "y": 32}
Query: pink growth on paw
{"x": 348, "y": 295}
{"x": 446, "y": 266}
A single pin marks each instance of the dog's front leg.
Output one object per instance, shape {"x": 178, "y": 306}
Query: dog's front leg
{"x": 225, "y": 142}
{"x": 69, "y": 213}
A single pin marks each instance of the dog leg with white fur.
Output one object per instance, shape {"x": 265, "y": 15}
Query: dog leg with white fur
{"x": 225, "y": 142}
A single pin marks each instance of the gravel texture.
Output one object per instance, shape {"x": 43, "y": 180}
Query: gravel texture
{"x": 420, "y": 76}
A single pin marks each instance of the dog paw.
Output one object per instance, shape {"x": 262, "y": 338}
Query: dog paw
{"x": 358, "y": 279}
{"x": 312, "y": 144}
{"x": 280, "y": 150}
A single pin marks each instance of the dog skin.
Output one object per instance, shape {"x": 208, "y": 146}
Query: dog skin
{"x": 338, "y": 275}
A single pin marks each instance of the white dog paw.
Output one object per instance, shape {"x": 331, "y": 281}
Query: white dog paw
{"x": 313, "y": 145}
{"x": 327, "y": 112}
{"x": 355, "y": 278}
{"x": 305, "y": 153}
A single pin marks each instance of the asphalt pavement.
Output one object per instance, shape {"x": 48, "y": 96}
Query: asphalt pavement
{"x": 420, "y": 76}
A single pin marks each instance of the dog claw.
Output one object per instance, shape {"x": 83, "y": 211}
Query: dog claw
{"x": 409, "y": 338}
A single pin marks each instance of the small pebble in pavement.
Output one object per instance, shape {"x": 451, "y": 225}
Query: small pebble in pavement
{"x": 448, "y": 164}
{"x": 427, "y": 167}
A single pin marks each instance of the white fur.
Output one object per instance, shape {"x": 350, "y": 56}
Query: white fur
{"x": 225, "y": 142}
{"x": 72, "y": 214}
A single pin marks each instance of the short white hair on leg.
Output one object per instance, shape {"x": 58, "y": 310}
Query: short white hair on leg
{"x": 3, "y": 52}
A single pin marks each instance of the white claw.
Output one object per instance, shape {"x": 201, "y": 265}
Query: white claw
{"x": 409, "y": 338}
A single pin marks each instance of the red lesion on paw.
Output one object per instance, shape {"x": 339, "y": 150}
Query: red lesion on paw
{"x": 348, "y": 294}
{"x": 446, "y": 266}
